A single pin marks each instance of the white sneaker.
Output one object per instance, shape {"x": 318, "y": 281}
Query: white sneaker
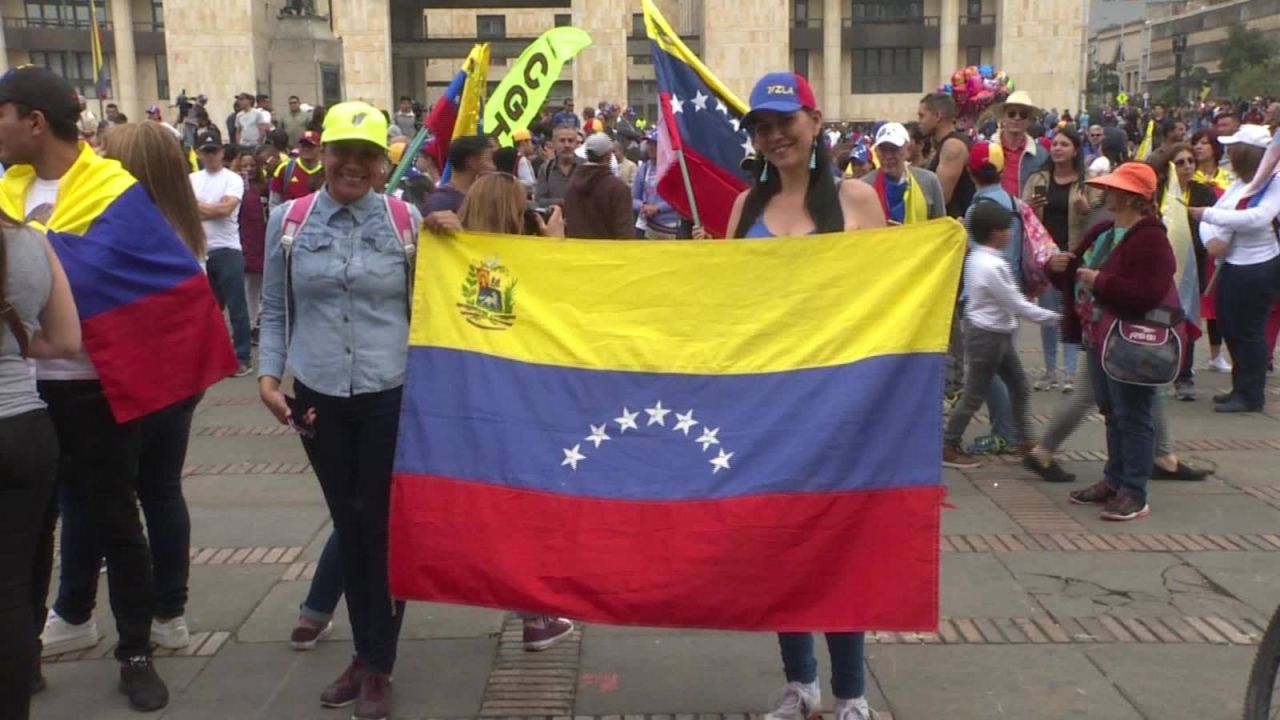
{"x": 171, "y": 634}
{"x": 60, "y": 636}
{"x": 1047, "y": 381}
{"x": 855, "y": 709}
{"x": 1220, "y": 364}
{"x": 797, "y": 702}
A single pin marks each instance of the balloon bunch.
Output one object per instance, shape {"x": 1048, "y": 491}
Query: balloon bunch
{"x": 977, "y": 87}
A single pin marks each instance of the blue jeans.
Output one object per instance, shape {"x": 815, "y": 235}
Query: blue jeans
{"x": 326, "y": 586}
{"x": 352, "y": 452}
{"x": 164, "y": 436}
{"x": 1000, "y": 408}
{"x": 226, "y": 275}
{"x": 848, "y": 667}
{"x": 1245, "y": 295}
{"x": 1051, "y": 334}
{"x": 1131, "y": 435}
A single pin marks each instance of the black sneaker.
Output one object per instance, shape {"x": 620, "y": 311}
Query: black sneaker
{"x": 1099, "y": 493}
{"x": 1225, "y": 397}
{"x": 1125, "y": 507}
{"x": 140, "y": 681}
{"x": 1054, "y": 473}
{"x": 1182, "y": 472}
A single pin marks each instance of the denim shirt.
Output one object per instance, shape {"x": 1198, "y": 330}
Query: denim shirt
{"x": 350, "y": 313}
{"x": 1013, "y": 252}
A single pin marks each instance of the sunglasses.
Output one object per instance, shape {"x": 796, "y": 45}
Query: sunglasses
{"x": 1185, "y": 161}
{"x": 1018, "y": 114}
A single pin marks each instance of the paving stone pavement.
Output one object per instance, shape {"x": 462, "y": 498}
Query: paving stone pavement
{"x": 1048, "y": 612}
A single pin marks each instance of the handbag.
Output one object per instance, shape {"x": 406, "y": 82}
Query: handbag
{"x": 1037, "y": 248}
{"x": 1148, "y": 352}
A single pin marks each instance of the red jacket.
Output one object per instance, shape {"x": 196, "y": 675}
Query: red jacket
{"x": 1134, "y": 280}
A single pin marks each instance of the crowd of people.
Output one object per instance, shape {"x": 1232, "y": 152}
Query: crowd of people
{"x": 313, "y": 262}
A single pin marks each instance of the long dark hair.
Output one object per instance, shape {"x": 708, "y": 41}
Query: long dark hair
{"x": 1115, "y": 146}
{"x": 1074, "y": 137}
{"x": 821, "y": 200}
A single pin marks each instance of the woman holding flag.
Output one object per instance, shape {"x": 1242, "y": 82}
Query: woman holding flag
{"x": 795, "y": 193}
{"x": 335, "y": 312}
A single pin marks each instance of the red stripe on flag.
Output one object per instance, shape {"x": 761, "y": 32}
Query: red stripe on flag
{"x": 714, "y": 189}
{"x": 833, "y": 561}
{"x": 157, "y": 351}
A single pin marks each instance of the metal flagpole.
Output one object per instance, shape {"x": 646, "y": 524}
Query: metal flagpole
{"x": 688, "y": 187}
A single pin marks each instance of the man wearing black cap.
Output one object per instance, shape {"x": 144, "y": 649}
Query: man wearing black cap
{"x": 99, "y": 466}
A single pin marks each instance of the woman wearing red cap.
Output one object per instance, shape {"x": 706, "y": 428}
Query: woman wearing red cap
{"x": 1122, "y": 268}
{"x": 795, "y": 194}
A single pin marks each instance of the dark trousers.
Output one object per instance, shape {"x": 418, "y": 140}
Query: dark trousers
{"x": 352, "y": 452}
{"x": 163, "y": 451}
{"x": 226, "y": 275}
{"x": 1245, "y": 295}
{"x": 98, "y": 477}
{"x": 989, "y": 355}
{"x": 848, "y": 668}
{"x": 28, "y": 472}
{"x": 1131, "y": 435}
{"x": 326, "y": 586}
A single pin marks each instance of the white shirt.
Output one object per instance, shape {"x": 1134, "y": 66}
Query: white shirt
{"x": 247, "y": 122}
{"x": 995, "y": 302}
{"x": 45, "y": 192}
{"x": 1249, "y": 231}
{"x": 211, "y": 188}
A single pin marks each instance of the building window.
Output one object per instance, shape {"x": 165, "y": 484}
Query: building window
{"x": 157, "y": 16}
{"x": 162, "y": 76}
{"x": 887, "y": 10}
{"x": 888, "y": 70}
{"x": 637, "y": 25}
{"x": 800, "y": 63}
{"x": 800, "y": 13}
{"x": 973, "y": 11}
{"x": 973, "y": 55}
{"x": 491, "y": 27}
{"x": 76, "y": 67}
{"x": 63, "y": 13}
{"x": 330, "y": 84}
{"x": 564, "y": 19}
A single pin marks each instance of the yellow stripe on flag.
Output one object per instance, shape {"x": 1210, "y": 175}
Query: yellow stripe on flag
{"x": 711, "y": 307}
{"x": 473, "y": 93}
{"x": 661, "y": 32}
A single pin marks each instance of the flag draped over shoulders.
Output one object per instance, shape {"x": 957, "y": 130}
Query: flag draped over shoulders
{"x": 150, "y": 324}
{"x": 678, "y": 434}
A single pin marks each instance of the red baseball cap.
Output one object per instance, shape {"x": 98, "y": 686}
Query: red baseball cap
{"x": 310, "y": 137}
{"x": 985, "y": 153}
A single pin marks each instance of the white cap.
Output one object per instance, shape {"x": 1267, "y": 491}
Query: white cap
{"x": 894, "y": 134}
{"x": 1253, "y": 135}
{"x": 599, "y": 144}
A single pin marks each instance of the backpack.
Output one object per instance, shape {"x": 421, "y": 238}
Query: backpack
{"x": 295, "y": 219}
{"x": 1037, "y": 246}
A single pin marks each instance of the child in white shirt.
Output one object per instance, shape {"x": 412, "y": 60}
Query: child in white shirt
{"x": 991, "y": 317}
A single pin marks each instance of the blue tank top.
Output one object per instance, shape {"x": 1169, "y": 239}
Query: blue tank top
{"x": 759, "y": 230}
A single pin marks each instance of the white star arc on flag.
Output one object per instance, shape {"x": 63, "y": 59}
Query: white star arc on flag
{"x": 700, "y": 101}
{"x": 573, "y": 456}
{"x": 657, "y": 416}
{"x": 721, "y": 461}
{"x": 677, "y": 105}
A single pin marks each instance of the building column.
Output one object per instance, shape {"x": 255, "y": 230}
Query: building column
{"x": 126, "y": 77}
{"x": 600, "y": 70}
{"x": 949, "y": 47}
{"x": 832, "y": 79}
{"x": 4, "y": 51}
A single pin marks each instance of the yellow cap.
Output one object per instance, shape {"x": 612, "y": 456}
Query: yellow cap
{"x": 521, "y": 135}
{"x": 355, "y": 121}
{"x": 396, "y": 151}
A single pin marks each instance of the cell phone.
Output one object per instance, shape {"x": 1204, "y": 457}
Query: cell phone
{"x": 298, "y": 417}
{"x": 1040, "y": 193}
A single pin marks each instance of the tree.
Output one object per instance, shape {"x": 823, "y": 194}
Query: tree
{"x": 1255, "y": 80}
{"x": 1245, "y": 48}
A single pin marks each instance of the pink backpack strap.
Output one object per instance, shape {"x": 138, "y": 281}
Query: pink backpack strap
{"x": 294, "y": 218}
{"x": 402, "y": 221}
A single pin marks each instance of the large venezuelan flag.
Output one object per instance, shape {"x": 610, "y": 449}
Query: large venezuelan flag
{"x": 741, "y": 435}
{"x": 149, "y": 321}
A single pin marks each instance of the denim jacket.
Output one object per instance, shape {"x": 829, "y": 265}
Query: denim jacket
{"x": 350, "y": 321}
